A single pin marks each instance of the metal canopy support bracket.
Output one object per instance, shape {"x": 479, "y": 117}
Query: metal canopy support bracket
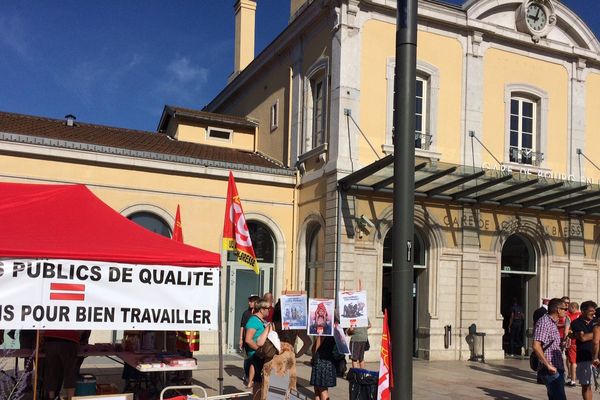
{"x": 512, "y": 199}
{"x": 495, "y": 194}
{"x": 382, "y": 184}
{"x": 572, "y": 200}
{"x": 348, "y": 181}
{"x": 543, "y": 199}
{"x": 453, "y": 184}
{"x": 478, "y": 188}
{"x": 582, "y": 206}
{"x": 434, "y": 177}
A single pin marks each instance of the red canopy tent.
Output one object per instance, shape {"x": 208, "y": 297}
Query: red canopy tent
{"x": 63, "y": 250}
{"x": 70, "y": 222}
{"x": 52, "y": 224}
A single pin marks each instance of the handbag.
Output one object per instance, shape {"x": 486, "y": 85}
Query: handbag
{"x": 267, "y": 350}
{"x": 534, "y": 362}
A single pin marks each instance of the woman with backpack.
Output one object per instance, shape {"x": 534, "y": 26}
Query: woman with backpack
{"x": 257, "y": 330}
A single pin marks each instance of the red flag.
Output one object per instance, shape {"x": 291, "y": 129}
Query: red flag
{"x": 236, "y": 236}
{"x": 385, "y": 364}
{"x": 177, "y": 231}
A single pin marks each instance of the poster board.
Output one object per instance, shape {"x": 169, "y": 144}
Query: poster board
{"x": 321, "y": 312}
{"x": 293, "y": 312}
{"x": 353, "y": 309}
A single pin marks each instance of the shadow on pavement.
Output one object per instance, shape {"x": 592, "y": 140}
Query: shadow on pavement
{"x": 501, "y": 394}
{"x": 234, "y": 370}
{"x": 508, "y": 371}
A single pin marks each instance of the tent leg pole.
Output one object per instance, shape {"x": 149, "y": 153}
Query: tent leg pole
{"x": 36, "y": 364}
{"x": 220, "y": 322}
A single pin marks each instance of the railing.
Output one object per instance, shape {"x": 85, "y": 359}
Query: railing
{"x": 423, "y": 141}
{"x": 525, "y": 156}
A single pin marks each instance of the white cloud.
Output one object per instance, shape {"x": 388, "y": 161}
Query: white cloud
{"x": 184, "y": 71}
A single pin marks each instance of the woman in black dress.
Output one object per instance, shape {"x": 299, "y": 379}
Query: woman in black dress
{"x": 323, "y": 374}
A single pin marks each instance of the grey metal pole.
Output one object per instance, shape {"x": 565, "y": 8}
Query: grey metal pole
{"x": 220, "y": 330}
{"x": 401, "y": 331}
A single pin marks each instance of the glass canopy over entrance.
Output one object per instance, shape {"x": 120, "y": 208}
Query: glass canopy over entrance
{"x": 476, "y": 185}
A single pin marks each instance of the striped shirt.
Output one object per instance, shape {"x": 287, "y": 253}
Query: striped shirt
{"x": 546, "y": 332}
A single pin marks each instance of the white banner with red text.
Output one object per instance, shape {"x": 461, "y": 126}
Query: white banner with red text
{"x": 70, "y": 294}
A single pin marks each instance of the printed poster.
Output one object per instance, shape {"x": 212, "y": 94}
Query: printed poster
{"x": 353, "y": 309}
{"x": 293, "y": 312}
{"x": 341, "y": 341}
{"x": 320, "y": 313}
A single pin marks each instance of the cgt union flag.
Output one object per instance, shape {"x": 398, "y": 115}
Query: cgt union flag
{"x": 236, "y": 236}
{"x": 177, "y": 230}
{"x": 385, "y": 364}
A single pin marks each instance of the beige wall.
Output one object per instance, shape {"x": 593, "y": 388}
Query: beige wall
{"x": 502, "y": 68}
{"x": 592, "y": 124}
{"x": 443, "y": 53}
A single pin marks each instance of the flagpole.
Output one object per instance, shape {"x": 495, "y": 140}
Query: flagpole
{"x": 220, "y": 322}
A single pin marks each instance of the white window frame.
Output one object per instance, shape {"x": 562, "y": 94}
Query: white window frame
{"x": 424, "y": 115}
{"x": 318, "y": 73}
{"x": 314, "y": 261}
{"x": 430, "y": 76}
{"x": 275, "y": 115}
{"x": 212, "y": 128}
{"x": 521, "y": 101}
{"x": 539, "y": 98}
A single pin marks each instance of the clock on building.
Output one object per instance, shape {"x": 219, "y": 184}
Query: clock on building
{"x": 536, "y": 18}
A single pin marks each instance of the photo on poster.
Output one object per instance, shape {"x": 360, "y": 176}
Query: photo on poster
{"x": 353, "y": 309}
{"x": 293, "y": 312}
{"x": 341, "y": 341}
{"x": 320, "y": 313}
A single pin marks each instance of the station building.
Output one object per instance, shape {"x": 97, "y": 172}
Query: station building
{"x": 506, "y": 179}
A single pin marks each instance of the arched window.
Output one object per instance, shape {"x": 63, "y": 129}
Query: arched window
{"x": 315, "y": 105}
{"x": 314, "y": 260}
{"x": 426, "y": 100}
{"x": 526, "y": 122}
{"x": 262, "y": 242}
{"x": 518, "y": 256}
{"x": 152, "y": 222}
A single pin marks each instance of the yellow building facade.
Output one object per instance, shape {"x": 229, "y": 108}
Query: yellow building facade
{"x": 506, "y": 185}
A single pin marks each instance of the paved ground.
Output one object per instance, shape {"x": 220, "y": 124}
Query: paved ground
{"x": 505, "y": 379}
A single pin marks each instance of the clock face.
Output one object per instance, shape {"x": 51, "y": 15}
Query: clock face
{"x": 536, "y": 17}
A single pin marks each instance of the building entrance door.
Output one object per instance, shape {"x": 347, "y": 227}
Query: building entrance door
{"x": 243, "y": 282}
{"x": 420, "y": 287}
{"x": 518, "y": 293}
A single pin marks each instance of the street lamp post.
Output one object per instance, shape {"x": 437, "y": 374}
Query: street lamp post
{"x": 401, "y": 331}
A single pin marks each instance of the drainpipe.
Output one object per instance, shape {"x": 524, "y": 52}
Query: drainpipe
{"x": 338, "y": 240}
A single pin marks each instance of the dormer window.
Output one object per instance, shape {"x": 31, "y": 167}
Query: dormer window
{"x": 219, "y": 134}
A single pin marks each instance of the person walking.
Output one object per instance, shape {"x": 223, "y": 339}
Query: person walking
{"x": 515, "y": 328}
{"x": 323, "y": 372}
{"x": 252, "y": 299}
{"x": 582, "y": 329}
{"x": 257, "y": 329}
{"x": 546, "y": 345}
{"x": 359, "y": 343}
{"x": 571, "y": 345}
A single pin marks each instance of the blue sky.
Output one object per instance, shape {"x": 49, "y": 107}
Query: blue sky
{"x": 119, "y": 62}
